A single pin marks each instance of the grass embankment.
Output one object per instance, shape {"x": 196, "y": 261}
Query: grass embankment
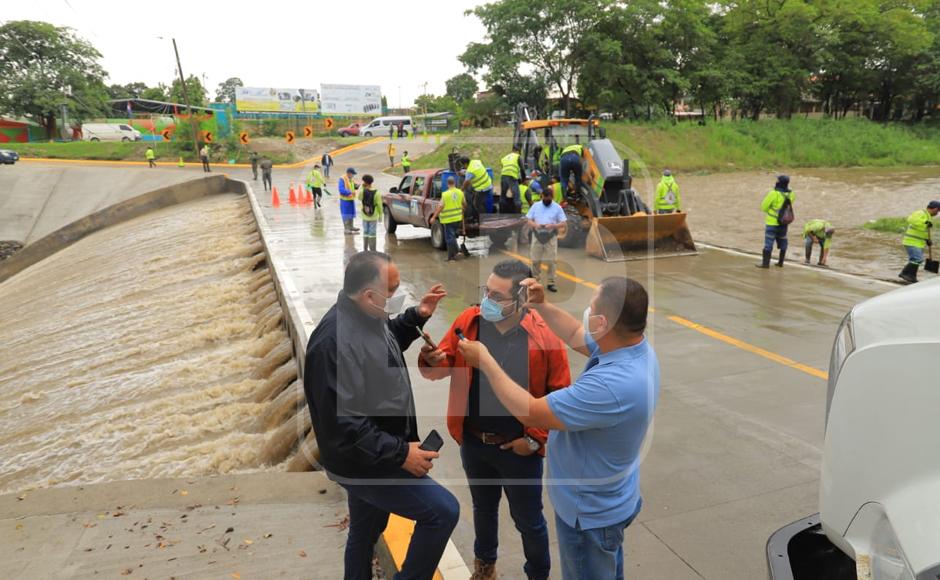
{"x": 738, "y": 146}
{"x": 891, "y": 225}
{"x": 277, "y": 150}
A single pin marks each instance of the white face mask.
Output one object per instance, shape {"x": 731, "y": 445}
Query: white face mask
{"x": 394, "y": 303}
{"x": 585, "y": 322}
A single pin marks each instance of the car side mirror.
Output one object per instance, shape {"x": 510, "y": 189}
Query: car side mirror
{"x": 393, "y": 190}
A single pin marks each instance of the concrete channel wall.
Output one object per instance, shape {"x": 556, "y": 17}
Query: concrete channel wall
{"x": 115, "y": 214}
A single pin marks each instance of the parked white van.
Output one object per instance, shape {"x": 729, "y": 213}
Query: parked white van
{"x": 109, "y": 132}
{"x": 378, "y": 127}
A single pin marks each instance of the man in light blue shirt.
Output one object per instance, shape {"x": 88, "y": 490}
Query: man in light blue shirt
{"x": 546, "y": 219}
{"x": 597, "y": 424}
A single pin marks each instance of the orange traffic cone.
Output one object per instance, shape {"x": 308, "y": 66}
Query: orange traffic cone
{"x": 275, "y": 198}
{"x": 309, "y": 200}
{"x": 292, "y": 197}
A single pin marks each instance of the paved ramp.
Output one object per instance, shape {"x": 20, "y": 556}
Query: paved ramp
{"x": 37, "y": 199}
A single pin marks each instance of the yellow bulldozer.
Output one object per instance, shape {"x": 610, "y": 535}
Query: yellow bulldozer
{"x": 604, "y": 213}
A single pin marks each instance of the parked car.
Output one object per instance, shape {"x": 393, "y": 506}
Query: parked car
{"x": 109, "y": 132}
{"x": 351, "y": 129}
{"x": 378, "y": 127}
{"x": 8, "y": 157}
{"x": 418, "y": 195}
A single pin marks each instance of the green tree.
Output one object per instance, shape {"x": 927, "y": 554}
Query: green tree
{"x": 198, "y": 97}
{"x": 551, "y": 36}
{"x": 158, "y": 93}
{"x": 226, "y": 91}
{"x": 462, "y": 87}
{"x": 43, "y": 67}
{"x": 483, "y": 112}
{"x": 128, "y": 91}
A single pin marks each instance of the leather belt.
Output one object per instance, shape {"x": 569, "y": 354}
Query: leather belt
{"x": 489, "y": 438}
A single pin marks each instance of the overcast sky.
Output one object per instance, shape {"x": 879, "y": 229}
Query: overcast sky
{"x": 274, "y": 43}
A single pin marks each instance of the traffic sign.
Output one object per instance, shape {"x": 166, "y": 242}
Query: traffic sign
{"x": 206, "y": 136}
{"x": 290, "y": 137}
{"x": 166, "y": 134}
{"x": 328, "y": 123}
{"x": 243, "y": 137}
{"x": 308, "y": 131}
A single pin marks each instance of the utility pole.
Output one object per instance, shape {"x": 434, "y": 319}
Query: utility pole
{"x": 192, "y": 119}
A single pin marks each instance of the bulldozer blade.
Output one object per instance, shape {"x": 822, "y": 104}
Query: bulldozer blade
{"x": 640, "y": 237}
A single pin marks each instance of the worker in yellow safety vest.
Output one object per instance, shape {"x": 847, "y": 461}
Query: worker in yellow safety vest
{"x": 667, "y": 194}
{"x": 569, "y": 164}
{"x": 405, "y": 162}
{"x": 450, "y": 213}
{"x": 478, "y": 185}
{"x": 778, "y": 214}
{"x": 916, "y": 238}
{"x": 391, "y": 155}
{"x": 818, "y": 232}
{"x": 151, "y": 156}
{"x": 315, "y": 183}
{"x": 371, "y": 201}
{"x": 509, "y": 201}
{"x": 347, "y": 201}
{"x": 558, "y": 194}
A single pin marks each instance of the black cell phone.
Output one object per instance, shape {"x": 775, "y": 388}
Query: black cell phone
{"x": 427, "y": 339}
{"x": 459, "y": 334}
{"x": 432, "y": 442}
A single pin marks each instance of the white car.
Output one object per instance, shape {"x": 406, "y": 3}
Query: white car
{"x": 109, "y": 132}
{"x": 378, "y": 127}
{"x": 880, "y": 483}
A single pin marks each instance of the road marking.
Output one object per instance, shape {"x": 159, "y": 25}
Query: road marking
{"x": 812, "y": 371}
{"x": 397, "y": 535}
{"x": 820, "y": 374}
{"x": 295, "y": 165}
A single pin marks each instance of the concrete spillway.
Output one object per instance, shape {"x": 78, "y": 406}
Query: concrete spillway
{"x": 151, "y": 348}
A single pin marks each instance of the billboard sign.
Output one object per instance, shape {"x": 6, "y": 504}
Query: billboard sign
{"x": 351, "y": 99}
{"x": 275, "y": 100}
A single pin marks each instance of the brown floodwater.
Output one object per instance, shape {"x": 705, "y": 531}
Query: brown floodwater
{"x": 153, "y": 348}
{"x": 724, "y": 210}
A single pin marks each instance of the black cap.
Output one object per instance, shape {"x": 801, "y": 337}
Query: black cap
{"x": 783, "y": 179}
{"x": 351, "y": 170}
{"x": 933, "y": 205}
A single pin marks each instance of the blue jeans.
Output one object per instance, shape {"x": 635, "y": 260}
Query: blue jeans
{"x": 434, "y": 510}
{"x": 486, "y": 466}
{"x": 570, "y": 163}
{"x": 915, "y": 255}
{"x": 450, "y": 235}
{"x": 369, "y": 228}
{"x": 595, "y": 554}
{"x": 775, "y": 234}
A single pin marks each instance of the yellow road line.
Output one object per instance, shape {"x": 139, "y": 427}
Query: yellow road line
{"x": 751, "y": 348}
{"x": 295, "y": 165}
{"x": 812, "y": 371}
{"x": 397, "y": 537}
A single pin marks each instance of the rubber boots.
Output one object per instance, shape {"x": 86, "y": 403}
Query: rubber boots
{"x": 909, "y": 273}
{"x": 783, "y": 256}
{"x": 765, "y": 262}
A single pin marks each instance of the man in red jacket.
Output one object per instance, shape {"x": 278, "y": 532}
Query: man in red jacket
{"x": 494, "y": 446}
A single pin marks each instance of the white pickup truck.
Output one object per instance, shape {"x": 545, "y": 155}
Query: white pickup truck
{"x": 879, "y": 495}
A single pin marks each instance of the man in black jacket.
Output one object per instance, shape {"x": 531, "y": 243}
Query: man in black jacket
{"x": 362, "y": 406}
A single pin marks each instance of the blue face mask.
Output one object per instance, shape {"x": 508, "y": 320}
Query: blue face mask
{"x": 491, "y": 311}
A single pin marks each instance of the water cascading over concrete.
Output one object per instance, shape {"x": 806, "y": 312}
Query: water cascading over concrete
{"x": 152, "y": 348}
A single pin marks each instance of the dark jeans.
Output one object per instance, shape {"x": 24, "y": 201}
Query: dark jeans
{"x": 434, "y": 510}
{"x": 507, "y": 205}
{"x": 486, "y": 467}
{"x": 317, "y": 194}
{"x": 451, "y": 231}
{"x": 151, "y": 162}
{"x": 570, "y": 163}
{"x": 326, "y": 170}
{"x": 254, "y": 172}
{"x": 266, "y": 181}
{"x": 205, "y": 164}
{"x": 775, "y": 234}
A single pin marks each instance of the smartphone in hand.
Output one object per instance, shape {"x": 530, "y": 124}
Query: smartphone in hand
{"x": 427, "y": 339}
{"x": 432, "y": 442}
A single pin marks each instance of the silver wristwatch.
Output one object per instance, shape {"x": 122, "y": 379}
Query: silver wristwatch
{"x": 533, "y": 444}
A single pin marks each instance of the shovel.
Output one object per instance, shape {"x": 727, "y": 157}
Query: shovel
{"x": 463, "y": 244}
{"x": 932, "y": 266}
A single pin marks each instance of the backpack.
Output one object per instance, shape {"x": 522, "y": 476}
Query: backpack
{"x": 368, "y": 202}
{"x": 785, "y": 215}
